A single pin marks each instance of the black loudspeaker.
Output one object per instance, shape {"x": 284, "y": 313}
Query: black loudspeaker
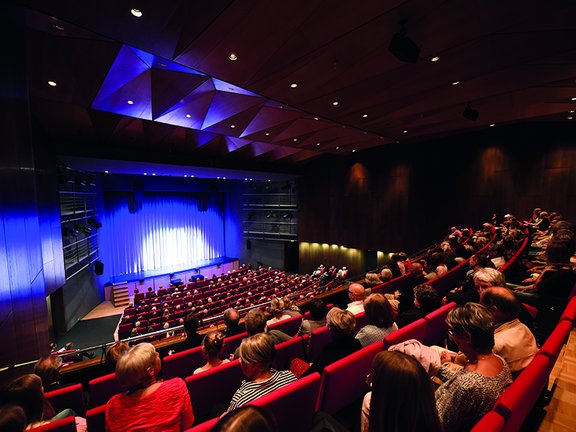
{"x": 470, "y": 113}
{"x": 98, "y": 267}
{"x": 248, "y": 244}
{"x": 404, "y": 48}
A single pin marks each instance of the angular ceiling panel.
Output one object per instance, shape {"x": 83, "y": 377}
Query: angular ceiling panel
{"x": 225, "y": 105}
{"x": 170, "y": 88}
{"x": 268, "y": 117}
{"x": 191, "y": 110}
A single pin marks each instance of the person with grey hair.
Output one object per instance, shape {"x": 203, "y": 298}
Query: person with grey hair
{"x": 232, "y": 322}
{"x": 469, "y": 393}
{"x": 147, "y": 403}
{"x": 257, "y": 353}
{"x": 356, "y": 293}
{"x": 488, "y": 277}
{"x": 341, "y": 325}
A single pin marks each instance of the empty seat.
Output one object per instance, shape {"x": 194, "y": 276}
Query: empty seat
{"x": 491, "y": 422}
{"x": 415, "y": 330}
{"x": 289, "y": 326}
{"x": 293, "y": 405}
{"x": 71, "y": 396}
{"x": 436, "y": 327}
{"x": 101, "y": 389}
{"x": 96, "y": 419}
{"x": 67, "y": 424}
{"x": 212, "y": 388}
{"x": 344, "y": 381}
{"x": 517, "y": 401}
{"x": 286, "y": 351}
{"x": 183, "y": 363}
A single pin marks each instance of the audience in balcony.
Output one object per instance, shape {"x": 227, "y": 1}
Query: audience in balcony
{"x": 356, "y": 293}
{"x": 148, "y": 403}
{"x": 256, "y": 355}
{"x": 471, "y": 392}
{"x": 372, "y": 279}
{"x": 232, "y": 322}
{"x": 380, "y": 317}
{"x": 212, "y": 346}
{"x": 513, "y": 341}
{"x": 318, "y": 311}
{"x": 409, "y": 407}
{"x": 426, "y": 300}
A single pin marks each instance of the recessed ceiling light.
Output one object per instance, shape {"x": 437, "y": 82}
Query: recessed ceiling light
{"x": 153, "y": 174}
{"x": 456, "y": 83}
{"x": 317, "y": 144}
{"x": 353, "y": 150}
{"x": 335, "y": 103}
{"x": 233, "y": 57}
{"x": 57, "y": 27}
{"x": 106, "y": 172}
{"x": 493, "y": 124}
{"x": 571, "y": 111}
{"x": 232, "y": 126}
{"x": 267, "y": 134}
{"x": 224, "y": 178}
{"x": 245, "y": 179}
{"x": 316, "y": 118}
{"x": 435, "y": 59}
{"x": 130, "y": 102}
{"x": 570, "y": 118}
{"x": 188, "y": 116}
{"x": 293, "y": 85}
{"x": 136, "y": 12}
{"x": 162, "y": 64}
{"x": 364, "y": 115}
{"x": 145, "y": 173}
{"x": 269, "y": 180}
{"x": 295, "y": 139}
{"x": 574, "y": 98}
{"x": 337, "y": 148}
{"x": 52, "y": 84}
{"x": 191, "y": 176}
{"x": 218, "y": 178}
{"x": 185, "y": 175}
{"x": 404, "y": 131}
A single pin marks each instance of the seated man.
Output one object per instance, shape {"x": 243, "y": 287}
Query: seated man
{"x": 232, "y": 322}
{"x": 356, "y": 293}
{"x": 514, "y": 342}
{"x": 255, "y": 322}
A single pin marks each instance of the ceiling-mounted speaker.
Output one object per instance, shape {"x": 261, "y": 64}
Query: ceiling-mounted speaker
{"x": 404, "y": 48}
{"x": 470, "y": 113}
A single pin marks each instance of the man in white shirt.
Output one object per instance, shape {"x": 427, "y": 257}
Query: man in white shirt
{"x": 356, "y": 293}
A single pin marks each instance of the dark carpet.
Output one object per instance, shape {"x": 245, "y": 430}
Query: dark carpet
{"x": 89, "y": 333}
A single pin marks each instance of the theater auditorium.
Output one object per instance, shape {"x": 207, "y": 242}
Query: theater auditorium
{"x": 237, "y": 215}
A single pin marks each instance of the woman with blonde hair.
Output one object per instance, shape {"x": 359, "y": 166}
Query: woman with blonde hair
{"x": 211, "y": 349}
{"x": 148, "y": 403}
{"x": 278, "y": 309}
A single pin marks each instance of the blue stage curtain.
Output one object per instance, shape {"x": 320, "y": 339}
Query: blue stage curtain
{"x": 160, "y": 232}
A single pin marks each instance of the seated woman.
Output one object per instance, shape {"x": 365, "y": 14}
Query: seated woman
{"x": 148, "y": 403}
{"x": 28, "y": 393}
{"x": 277, "y": 307}
{"x": 426, "y": 300}
{"x": 12, "y": 418}
{"x": 410, "y": 407}
{"x": 471, "y": 392}
{"x": 212, "y": 349}
{"x": 380, "y": 318}
{"x": 341, "y": 325}
{"x": 317, "y": 319}
{"x": 248, "y": 418}
{"x": 257, "y": 353}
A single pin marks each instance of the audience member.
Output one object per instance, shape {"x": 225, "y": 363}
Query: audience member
{"x": 277, "y": 307}
{"x": 471, "y": 392}
{"x": 410, "y": 407}
{"x": 380, "y": 318}
{"x": 317, "y": 319}
{"x": 148, "y": 403}
{"x": 426, "y": 300}
{"x": 12, "y": 418}
{"x": 255, "y": 322}
{"x": 48, "y": 369}
{"x": 290, "y": 308}
{"x": 356, "y": 293}
{"x": 232, "y": 322}
{"x": 212, "y": 350}
{"x": 193, "y": 338}
{"x": 256, "y": 355}
{"x": 513, "y": 341}
{"x": 115, "y": 351}
{"x": 247, "y": 418}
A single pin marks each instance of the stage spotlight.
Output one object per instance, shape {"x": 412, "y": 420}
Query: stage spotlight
{"x": 470, "y": 113}
{"x": 94, "y": 223}
{"x": 404, "y": 48}
{"x": 287, "y": 216}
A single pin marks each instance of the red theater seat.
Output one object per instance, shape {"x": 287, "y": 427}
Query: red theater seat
{"x": 286, "y": 351}
{"x": 570, "y": 311}
{"x": 556, "y": 340}
{"x": 182, "y": 364}
{"x": 71, "y": 396}
{"x": 289, "y": 326}
{"x": 491, "y": 422}
{"x": 318, "y": 340}
{"x": 101, "y": 389}
{"x": 65, "y": 425}
{"x": 436, "y": 327}
{"x": 415, "y": 330}
{"x": 96, "y": 419}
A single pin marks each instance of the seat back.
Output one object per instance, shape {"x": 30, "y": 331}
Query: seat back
{"x": 556, "y": 340}
{"x": 289, "y": 326}
{"x": 448, "y": 280}
{"x": 570, "y": 311}
{"x": 101, "y": 389}
{"x": 286, "y": 351}
{"x": 215, "y": 386}
{"x": 318, "y": 340}
{"x": 436, "y": 327}
{"x": 415, "y": 330}
{"x": 71, "y": 396}
{"x": 361, "y": 321}
{"x": 204, "y": 427}
{"x": 233, "y": 342}
{"x": 96, "y": 419}
{"x": 491, "y": 422}
{"x": 67, "y": 424}
{"x": 344, "y": 381}
{"x": 519, "y": 399}
{"x": 293, "y": 405}
{"x": 183, "y": 363}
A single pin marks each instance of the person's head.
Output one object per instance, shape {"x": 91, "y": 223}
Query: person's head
{"x": 27, "y": 392}
{"x": 416, "y": 269}
{"x": 340, "y": 322}
{"x": 488, "y": 277}
{"x": 256, "y": 353}
{"x": 501, "y": 303}
{"x": 247, "y": 418}
{"x": 12, "y": 418}
{"x": 559, "y": 251}
{"x": 426, "y": 298}
{"x": 277, "y": 307}
{"x": 115, "y": 351}
{"x": 386, "y": 274}
{"x": 411, "y": 406}
{"x": 138, "y": 367}
{"x": 48, "y": 369}
{"x": 231, "y": 318}
{"x": 472, "y": 328}
{"x": 191, "y": 323}
{"x": 378, "y": 311}
{"x": 356, "y": 292}
{"x": 255, "y": 321}
{"x": 212, "y": 344}
{"x": 318, "y": 309}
